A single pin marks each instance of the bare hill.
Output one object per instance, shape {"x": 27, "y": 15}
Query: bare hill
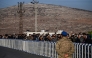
{"x": 50, "y": 17}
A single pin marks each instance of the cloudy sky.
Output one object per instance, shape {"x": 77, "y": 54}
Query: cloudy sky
{"x": 81, "y": 4}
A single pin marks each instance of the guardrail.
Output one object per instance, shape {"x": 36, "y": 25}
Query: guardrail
{"x": 45, "y": 48}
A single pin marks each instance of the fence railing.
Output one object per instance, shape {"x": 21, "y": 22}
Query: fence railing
{"x": 45, "y": 48}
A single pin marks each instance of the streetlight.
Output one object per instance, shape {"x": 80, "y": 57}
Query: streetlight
{"x": 35, "y": 7}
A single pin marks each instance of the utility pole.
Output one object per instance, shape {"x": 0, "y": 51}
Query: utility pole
{"x": 20, "y": 12}
{"x": 35, "y": 7}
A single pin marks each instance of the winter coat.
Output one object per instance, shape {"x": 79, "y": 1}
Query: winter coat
{"x": 65, "y": 46}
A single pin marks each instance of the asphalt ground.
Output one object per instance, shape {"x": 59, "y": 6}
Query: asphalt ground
{"x": 11, "y": 53}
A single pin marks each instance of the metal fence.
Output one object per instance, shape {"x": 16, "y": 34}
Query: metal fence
{"x": 45, "y": 48}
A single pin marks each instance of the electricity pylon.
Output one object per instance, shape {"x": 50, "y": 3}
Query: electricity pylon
{"x": 20, "y": 12}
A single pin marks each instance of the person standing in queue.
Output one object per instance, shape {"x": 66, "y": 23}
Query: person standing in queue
{"x": 64, "y": 46}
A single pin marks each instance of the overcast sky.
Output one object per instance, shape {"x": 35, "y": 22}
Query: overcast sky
{"x": 81, "y": 4}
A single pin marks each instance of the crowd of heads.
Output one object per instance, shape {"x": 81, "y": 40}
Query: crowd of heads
{"x": 81, "y": 38}
{"x": 77, "y": 38}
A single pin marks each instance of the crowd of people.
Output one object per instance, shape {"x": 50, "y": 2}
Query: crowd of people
{"x": 77, "y": 38}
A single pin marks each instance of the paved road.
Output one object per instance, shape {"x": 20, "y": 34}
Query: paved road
{"x": 11, "y": 53}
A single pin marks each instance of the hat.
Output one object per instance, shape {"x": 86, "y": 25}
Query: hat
{"x": 64, "y": 33}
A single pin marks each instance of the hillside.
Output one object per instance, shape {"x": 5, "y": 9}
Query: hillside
{"x": 50, "y": 17}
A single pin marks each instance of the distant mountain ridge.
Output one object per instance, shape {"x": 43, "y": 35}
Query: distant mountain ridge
{"x": 50, "y": 17}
